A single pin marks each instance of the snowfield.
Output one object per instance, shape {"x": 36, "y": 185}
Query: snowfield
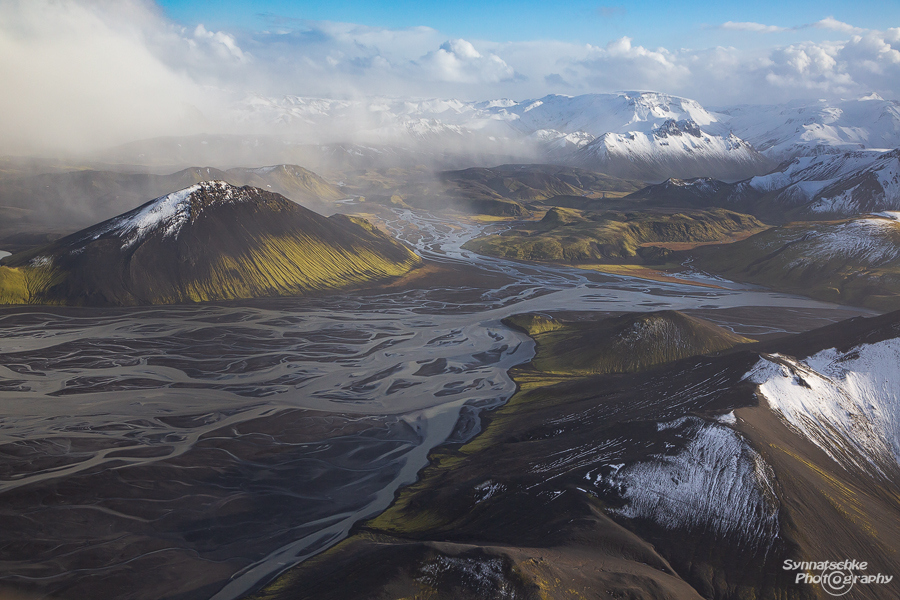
{"x": 717, "y": 481}
{"x": 811, "y": 128}
{"x": 870, "y": 241}
{"x": 847, "y": 403}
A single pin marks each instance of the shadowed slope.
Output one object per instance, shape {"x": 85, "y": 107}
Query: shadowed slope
{"x": 629, "y": 343}
{"x": 852, "y": 261}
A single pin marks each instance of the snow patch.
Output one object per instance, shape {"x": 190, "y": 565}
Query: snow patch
{"x": 847, "y": 403}
{"x": 484, "y": 491}
{"x": 867, "y": 240}
{"x": 727, "y": 418}
{"x": 716, "y": 481}
{"x": 41, "y": 261}
{"x": 483, "y": 574}
{"x": 166, "y": 214}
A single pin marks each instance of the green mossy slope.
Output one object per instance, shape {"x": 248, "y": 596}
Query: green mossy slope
{"x": 571, "y": 236}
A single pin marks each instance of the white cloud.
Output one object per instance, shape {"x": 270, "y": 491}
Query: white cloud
{"x": 750, "y": 26}
{"x": 221, "y": 43}
{"x": 835, "y": 25}
{"x": 79, "y": 75}
{"x": 622, "y": 65}
{"x": 458, "y": 61}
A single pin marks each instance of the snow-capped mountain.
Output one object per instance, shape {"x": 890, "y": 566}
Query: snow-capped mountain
{"x": 598, "y": 114}
{"x": 646, "y": 135}
{"x": 209, "y": 241}
{"x": 837, "y": 184}
{"x": 808, "y": 128}
{"x": 673, "y": 147}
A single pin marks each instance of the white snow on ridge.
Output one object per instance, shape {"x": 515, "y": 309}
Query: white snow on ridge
{"x": 598, "y": 114}
{"x": 808, "y": 128}
{"x": 558, "y": 140}
{"x": 847, "y": 403}
{"x": 652, "y": 146}
{"x": 171, "y": 212}
{"x": 848, "y": 183}
{"x": 824, "y": 168}
{"x": 167, "y": 213}
{"x": 716, "y": 481}
{"x": 868, "y": 240}
{"x": 592, "y": 114}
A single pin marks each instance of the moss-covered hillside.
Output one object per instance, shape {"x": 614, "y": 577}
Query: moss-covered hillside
{"x": 578, "y": 237}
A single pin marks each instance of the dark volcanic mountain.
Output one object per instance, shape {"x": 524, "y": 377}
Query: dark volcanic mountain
{"x": 68, "y": 201}
{"x": 210, "y": 241}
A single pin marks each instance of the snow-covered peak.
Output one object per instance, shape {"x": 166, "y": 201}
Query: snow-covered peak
{"x": 808, "y": 128}
{"x": 168, "y": 214}
{"x": 824, "y": 168}
{"x": 623, "y": 112}
{"x": 558, "y": 139}
{"x": 716, "y": 481}
{"x": 847, "y": 183}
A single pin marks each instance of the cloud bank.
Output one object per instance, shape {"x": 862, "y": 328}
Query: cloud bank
{"x": 84, "y": 74}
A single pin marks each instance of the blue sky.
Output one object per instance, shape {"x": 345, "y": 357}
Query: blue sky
{"x": 650, "y": 23}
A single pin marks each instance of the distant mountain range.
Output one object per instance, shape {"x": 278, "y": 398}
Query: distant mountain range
{"x": 807, "y": 128}
{"x": 209, "y": 241}
{"x": 645, "y": 135}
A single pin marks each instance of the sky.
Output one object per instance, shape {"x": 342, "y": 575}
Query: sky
{"x": 647, "y": 22}
{"x": 98, "y": 72}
